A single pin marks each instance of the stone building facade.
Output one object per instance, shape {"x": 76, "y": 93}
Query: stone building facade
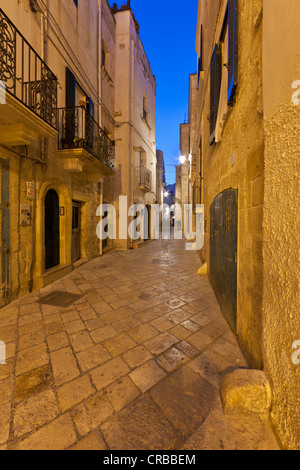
{"x": 244, "y": 154}
{"x": 135, "y": 100}
{"x": 62, "y": 73}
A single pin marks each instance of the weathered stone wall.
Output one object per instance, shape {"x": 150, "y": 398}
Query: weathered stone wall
{"x": 281, "y": 301}
{"x": 237, "y": 161}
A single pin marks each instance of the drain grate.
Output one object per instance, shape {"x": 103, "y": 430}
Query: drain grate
{"x": 60, "y": 299}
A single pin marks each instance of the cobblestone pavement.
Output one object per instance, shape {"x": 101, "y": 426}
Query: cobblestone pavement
{"x": 130, "y": 356}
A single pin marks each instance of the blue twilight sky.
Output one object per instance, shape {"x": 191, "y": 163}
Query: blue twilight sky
{"x": 168, "y": 32}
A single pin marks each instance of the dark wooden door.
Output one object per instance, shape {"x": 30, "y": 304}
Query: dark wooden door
{"x": 51, "y": 229}
{"x": 4, "y": 231}
{"x": 223, "y": 252}
{"x": 76, "y": 232}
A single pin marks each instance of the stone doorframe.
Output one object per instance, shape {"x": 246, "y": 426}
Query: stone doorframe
{"x": 65, "y": 227}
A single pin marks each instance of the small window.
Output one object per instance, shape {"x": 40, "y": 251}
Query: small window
{"x": 145, "y": 108}
{"x": 200, "y": 60}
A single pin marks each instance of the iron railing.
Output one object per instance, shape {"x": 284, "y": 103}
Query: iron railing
{"x": 145, "y": 177}
{"x": 24, "y": 74}
{"x": 78, "y": 129}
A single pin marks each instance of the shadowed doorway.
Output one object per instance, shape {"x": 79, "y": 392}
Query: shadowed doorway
{"x": 223, "y": 252}
{"x": 51, "y": 229}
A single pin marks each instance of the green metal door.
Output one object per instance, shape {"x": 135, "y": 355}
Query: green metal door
{"x": 223, "y": 252}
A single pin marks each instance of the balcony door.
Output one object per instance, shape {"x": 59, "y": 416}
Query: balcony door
{"x": 4, "y": 231}
{"x": 76, "y": 232}
{"x": 51, "y": 229}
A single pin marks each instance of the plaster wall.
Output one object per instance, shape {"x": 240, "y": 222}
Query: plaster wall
{"x": 237, "y": 161}
{"x": 281, "y": 301}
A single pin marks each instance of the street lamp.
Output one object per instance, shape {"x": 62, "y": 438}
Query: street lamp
{"x": 182, "y": 159}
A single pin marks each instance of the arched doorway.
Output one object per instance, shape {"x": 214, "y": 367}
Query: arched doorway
{"x": 52, "y": 231}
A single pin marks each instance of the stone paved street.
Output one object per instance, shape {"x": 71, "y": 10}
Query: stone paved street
{"x": 131, "y": 360}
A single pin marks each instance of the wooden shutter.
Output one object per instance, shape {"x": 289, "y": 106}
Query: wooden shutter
{"x": 200, "y": 60}
{"x": 215, "y": 86}
{"x": 91, "y": 107}
{"x": 232, "y": 49}
{"x": 70, "y": 89}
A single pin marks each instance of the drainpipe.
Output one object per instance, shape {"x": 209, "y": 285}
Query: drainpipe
{"x": 100, "y": 60}
{"x": 132, "y": 130}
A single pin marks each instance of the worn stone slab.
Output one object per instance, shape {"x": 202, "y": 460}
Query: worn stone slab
{"x": 147, "y": 375}
{"x": 58, "y": 435}
{"x": 74, "y": 392}
{"x": 58, "y": 341}
{"x": 109, "y": 372}
{"x": 172, "y": 359}
{"x": 162, "y": 324}
{"x": 81, "y": 341}
{"x": 93, "y": 441}
{"x": 231, "y": 351}
{"x": 142, "y": 333}
{"x": 89, "y": 415}
{"x": 4, "y": 422}
{"x": 64, "y": 366}
{"x": 199, "y": 340}
{"x": 33, "y": 382}
{"x": 35, "y": 412}
{"x": 31, "y": 358}
{"x": 184, "y": 394}
{"x": 161, "y": 343}
{"x": 104, "y": 333}
{"x": 119, "y": 344}
{"x": 187, "y": 349}
{"x": 137, "y": 356}
{"x": 92, "y": 357}
{"x": 6, "y": 390}
{"x": 121, "y": 393}
{"x": 240, "y": 432}
{"x": 140, "y": 426}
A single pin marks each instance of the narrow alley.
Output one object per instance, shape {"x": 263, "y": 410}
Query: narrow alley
{"x": 126, "y": 352}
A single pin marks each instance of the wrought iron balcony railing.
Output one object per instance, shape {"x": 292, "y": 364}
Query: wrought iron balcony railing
{"x": 77, "y": 129}
{"x": 145, "y": 177}
{"x": 25, "y": 74}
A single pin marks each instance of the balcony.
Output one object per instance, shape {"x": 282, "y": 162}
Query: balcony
{"x": 145, "y": 179}
{"x": 28, "y": 89}
{"x": 82, "y": 143}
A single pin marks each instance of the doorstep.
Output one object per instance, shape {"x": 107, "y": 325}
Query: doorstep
{"x": 53, "y": 274}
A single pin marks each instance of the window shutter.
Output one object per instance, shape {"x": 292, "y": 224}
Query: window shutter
{"x": 232, "y": 49}
{"x": 212, "y": 92}
{"x": 200, "y": 60}
{"x": 215, "y": 86}
{"x": 70, "y": 117}
{"x": 91, "y": 108}
{"x": 70, "y": 89}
